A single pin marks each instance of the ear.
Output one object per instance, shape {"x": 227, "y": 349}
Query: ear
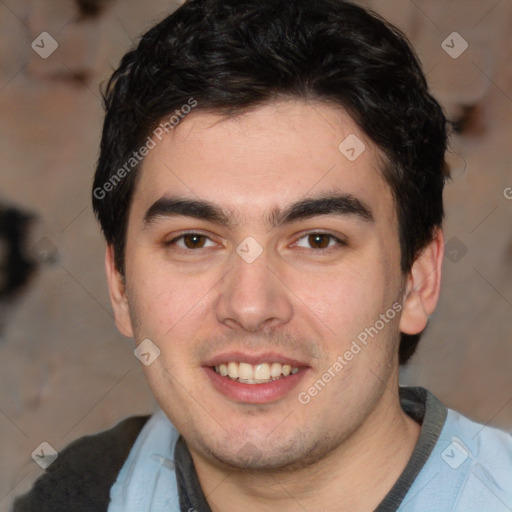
{"x": 423, "y": 287}
{"x": 118, "y": 294}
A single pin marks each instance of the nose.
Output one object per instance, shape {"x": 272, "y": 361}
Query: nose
{"x": 253, "y": 295}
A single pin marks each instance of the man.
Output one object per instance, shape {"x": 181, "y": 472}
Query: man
{"x": 270, "y": 188}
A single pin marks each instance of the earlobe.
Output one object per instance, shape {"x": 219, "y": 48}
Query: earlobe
{"x": 118, "y": 297}
{"x": 423, "y": 287}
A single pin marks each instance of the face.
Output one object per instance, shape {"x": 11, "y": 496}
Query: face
{"x": 288, "y": 253}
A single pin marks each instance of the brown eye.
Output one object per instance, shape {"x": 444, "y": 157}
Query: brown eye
{"x": 320, "y": 241}
{"x": 193, "y": 241}
{"x": 189, "y": 241}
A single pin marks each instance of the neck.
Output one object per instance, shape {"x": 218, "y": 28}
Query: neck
{"x": 356, "y": 476}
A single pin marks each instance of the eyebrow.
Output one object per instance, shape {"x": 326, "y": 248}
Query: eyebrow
{"x": 331, "y": 204}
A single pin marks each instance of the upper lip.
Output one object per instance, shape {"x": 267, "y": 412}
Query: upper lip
{"x": 244, "y": 357}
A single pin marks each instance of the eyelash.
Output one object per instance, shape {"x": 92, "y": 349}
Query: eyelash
{"x": 181, "y": 250}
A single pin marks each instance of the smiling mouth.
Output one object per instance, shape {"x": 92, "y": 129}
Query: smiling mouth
{"x": 254, "y": 373}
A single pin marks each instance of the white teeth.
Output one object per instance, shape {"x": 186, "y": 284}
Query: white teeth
{"x": 255, "y": 374}
{"x": 262, "y": 371}
{"x": 233, "y": 370}
{"x": 245, "y": 371}
{"x": 275, "y": 369}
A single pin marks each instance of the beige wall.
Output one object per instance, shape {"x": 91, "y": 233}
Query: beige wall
{"x": 65, "y": 371}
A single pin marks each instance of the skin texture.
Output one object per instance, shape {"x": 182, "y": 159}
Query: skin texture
{"x": 349, "y": 444}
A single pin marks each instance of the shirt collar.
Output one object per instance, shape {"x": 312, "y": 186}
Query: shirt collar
{"x": 419, "y": 403}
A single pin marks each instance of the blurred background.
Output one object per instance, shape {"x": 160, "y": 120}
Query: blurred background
{"x": 65, "y": 371}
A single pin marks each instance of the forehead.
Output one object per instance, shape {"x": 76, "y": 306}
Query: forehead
{"x": 255, "y": 162}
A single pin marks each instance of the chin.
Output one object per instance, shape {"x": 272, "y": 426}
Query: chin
{"x": 296, "y": 451}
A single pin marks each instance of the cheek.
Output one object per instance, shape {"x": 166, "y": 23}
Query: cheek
{"x": 346, "y": 300}
{"x": 166, "y": 301}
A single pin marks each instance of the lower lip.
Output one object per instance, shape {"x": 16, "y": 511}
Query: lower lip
{"x": 255, "y": 393}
